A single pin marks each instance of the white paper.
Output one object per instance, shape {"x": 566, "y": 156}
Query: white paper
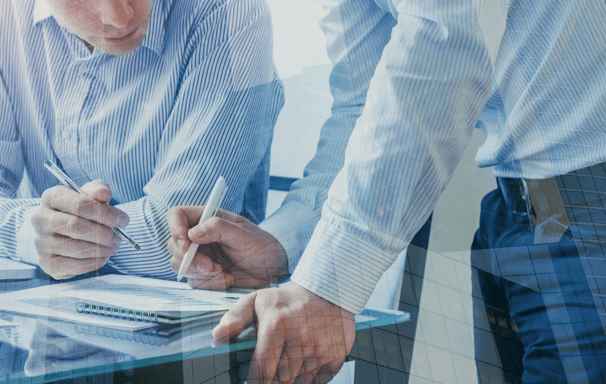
{"x": 59, "y": 301}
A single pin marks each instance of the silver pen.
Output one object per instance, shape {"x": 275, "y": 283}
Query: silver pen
{"x": 63, "y": 178}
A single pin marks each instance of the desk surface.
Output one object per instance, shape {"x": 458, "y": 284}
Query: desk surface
{"x": 37, "y": 350}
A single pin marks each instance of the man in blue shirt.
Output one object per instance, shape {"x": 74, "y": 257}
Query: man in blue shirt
{"x": 144, "y": 103}
{"x": 412, "y": 78}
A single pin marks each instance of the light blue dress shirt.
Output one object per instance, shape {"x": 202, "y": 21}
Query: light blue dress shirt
{"x": 411, "y": 80}
{"x": 198, "y": 99}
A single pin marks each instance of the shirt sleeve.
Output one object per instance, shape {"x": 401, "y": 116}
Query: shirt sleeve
{"x": 426, "y": 95}
{"x": 354, "y": 48}
{"x": 221, "y": 124}
{"x": 13, "y": 211}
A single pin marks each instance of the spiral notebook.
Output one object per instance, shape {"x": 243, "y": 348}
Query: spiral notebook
{"x": 120, "y": 302}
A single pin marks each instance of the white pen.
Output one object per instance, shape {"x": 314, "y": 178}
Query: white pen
{"x": 69, "y": 183}
{"x": 210, "y": 209}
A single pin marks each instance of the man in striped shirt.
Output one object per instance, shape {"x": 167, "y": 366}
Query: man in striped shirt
{"x": 144, "y": 103}
{"x": 415, "y": 77}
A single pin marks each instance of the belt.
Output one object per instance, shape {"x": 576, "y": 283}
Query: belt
{"x": 540, "y": 202}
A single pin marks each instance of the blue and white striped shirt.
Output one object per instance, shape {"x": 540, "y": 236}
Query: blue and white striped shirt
{"x": 198, "y": 99}
{"x": 411, "y": 80}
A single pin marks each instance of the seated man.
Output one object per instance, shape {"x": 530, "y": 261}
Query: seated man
{"x": 153, "y": 100}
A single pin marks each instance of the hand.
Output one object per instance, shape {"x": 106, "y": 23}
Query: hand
{"x": 72, "y": 231}
{"x": 233, "y": 251}
{"x": 301, "y": 338}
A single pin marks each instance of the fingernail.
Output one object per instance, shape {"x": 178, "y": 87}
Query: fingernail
{"x": 117, "y": 240}
{"x": 123, "y": 221}
{"x": 180, "y": 244}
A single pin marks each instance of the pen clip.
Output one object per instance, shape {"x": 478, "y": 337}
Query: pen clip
{"x": 220, "y": 202}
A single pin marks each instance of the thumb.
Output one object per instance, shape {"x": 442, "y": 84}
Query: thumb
{"x": 237, "y": 319}
{"x": 98, "y": 190}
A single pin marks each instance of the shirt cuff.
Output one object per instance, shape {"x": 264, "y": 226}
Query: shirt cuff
{"x": 341, "y": 268}
{"x": 25, "y": 239}
{"x": 292, "y": 225}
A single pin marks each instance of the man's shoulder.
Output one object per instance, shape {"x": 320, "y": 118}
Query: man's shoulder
{"x": 199, "y": 13}
{"x": 12, "y": 11}
{"x": 16, "y": 24}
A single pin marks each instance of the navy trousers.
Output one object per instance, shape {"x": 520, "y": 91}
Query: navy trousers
{"x": 541, "y": 285}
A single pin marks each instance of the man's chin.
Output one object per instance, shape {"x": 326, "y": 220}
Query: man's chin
{"x": 118, "y": 49}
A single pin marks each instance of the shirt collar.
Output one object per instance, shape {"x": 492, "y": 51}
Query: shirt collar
{"x": 154, "y": 38}
{"x": 42, "y": 11}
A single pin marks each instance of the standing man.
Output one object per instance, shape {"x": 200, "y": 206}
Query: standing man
{"x": 143, "y": 102}
{"x": 529, "y": 75}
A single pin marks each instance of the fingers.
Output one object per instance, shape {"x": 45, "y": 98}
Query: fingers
{"x": 229, "y": 216}
{"x": 200, "y": 265}
{"x": 290, "y": 364}
{"x": 48, "y": 221}
{"x": 301, "y": 337}
{"x": 327, "y": 372}
{"x": 271, "y": 337}
{"x": 65, "y": 200}
{"x": 217, "y": 281}
{"x": 216, "y": 230}
{"x": 60, "y": 267}
{"x": 180, "y": 220}
{"x": 98, "y": 190}
{"x": 47, "y": 244}
{"x": 237, "y": 319}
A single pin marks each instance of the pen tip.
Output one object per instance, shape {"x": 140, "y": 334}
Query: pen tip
{"x": 137, "y": 247}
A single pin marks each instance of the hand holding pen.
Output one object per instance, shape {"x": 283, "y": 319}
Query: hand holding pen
{"x": 73, "y": 227}
{"x": 212, "y": 206}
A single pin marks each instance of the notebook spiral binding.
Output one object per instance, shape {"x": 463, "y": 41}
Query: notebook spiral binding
{"x": 116, "y": 312}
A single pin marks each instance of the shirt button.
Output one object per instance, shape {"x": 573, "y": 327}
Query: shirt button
{"x": 66, "y": 135}
{"x": 83, "y": 68}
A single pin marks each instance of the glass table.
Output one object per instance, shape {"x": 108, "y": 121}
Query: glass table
{"x": 38, "y": 349}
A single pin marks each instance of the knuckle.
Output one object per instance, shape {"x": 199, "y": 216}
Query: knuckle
{"x": 214, "y": 222}
{"x": 55, "y": 271}
{"x": 173, "y": 211}
{"x": 107, "y": 236}
{"x": 171, "y": 246}
{"x": 72, "y": 225}
{"x": 106, "y": 216}
{"x": 82, "y": 207}
{"x": 174, "y": 264}
{"x": 47, "y": 196}
{"x": 37, "y": 218}
{"x": 38, "y": 243}
{"x": 101, "y": 262}
{"x": 101, "y": 252}
{"x": 277, "y": 321}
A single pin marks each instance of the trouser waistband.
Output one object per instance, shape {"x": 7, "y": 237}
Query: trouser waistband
{"x": 538, "y": 200}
